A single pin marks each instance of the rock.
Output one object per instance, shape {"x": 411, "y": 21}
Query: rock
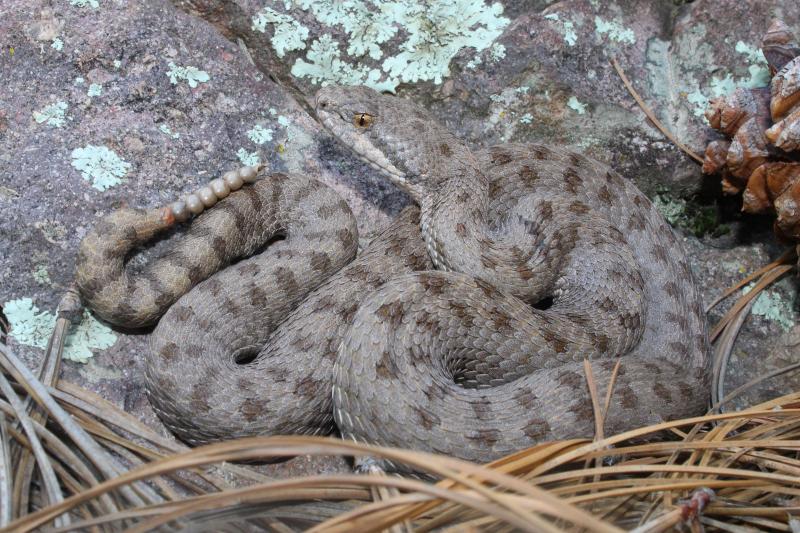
{"x": 138, "y": 102}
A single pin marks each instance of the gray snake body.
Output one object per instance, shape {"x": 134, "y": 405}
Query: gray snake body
{"x": 463, "y": 360}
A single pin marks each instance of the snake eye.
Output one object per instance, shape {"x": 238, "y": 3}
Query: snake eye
{"x": 363, "y": 120}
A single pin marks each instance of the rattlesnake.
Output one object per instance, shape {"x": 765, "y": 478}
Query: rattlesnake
{"x": 544, "y": 258}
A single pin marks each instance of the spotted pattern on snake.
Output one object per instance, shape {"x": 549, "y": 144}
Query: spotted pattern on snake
{"x": 463, "y": 360}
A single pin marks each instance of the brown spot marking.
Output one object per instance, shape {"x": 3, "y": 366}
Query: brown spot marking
{"x": 357, "y": 272}
{"x": 463, "y": 313}
{"x": 480, "y": 407}
{"x": 258, "y": 298}
{"x": 461, "y": 230}
{"x": 432, "y": 283}
{"x": 426, "y": 418}
{"x": 582, "y": 409}
{"x": 308, "y": 387}
{"x": 540, "y": 152}
{"x": 605, "y": 195}
{"x": 434, "y": 390}
{"x": 488, "y": 262}
{"x": 672, "y": 289}
{"x": 487, "y": 437}
{"x": 278, "y": 374}
{"x": 501, "y": 321}
{"x": 248, "y": 268}
{"x": 199, "y": 398}
{"x": 572, "y": 180}
{"x": 346, "y": 237}
{"x": 195, "y": 274}
{"x": 528, "y": 175}
{"x": 445, "y": 150}
{"x": 244, "y": 384}
{"x": 349, "y": 312}
{"x": 230, "y": 306}
{"x": 576, "y": 160}
{"x": 182, "y": 312}
{"x": 660, "y": 252}
{"x": 427, "y": 322}
{"x": 213, "y": 286}
{"x": 536, "y": 429}
{"x": 169, "y": 350}
{"x": 578, "y": 207}
{"x": 662, "y": 392}
{"x": 525, "y": 397}
{"x": 252, "y": 408}
{"x": 385, "y": 367}
{"x": 546, "y": 211}
{"x": 392, "y": 313}
{"x": 636, "y": 221}
{"x": 320, "y": 261}
{"x": 488, "y": 290}
{"x": 570, "y": 380}
{"x": 602, "y": 342}
{"x": 302, "y": 343}
{"x": 325, "y": 303}
{"x": 578, "y": 319}
{"x": 500, "y": 156}
{"x": 626, "y": 395}
{"x": 613, "y": 178}
{"x": 679, "y": 347}
{"x": 617, "y": 236}
{"x": 286, "y": 279}
{"x": 653, "y": 368}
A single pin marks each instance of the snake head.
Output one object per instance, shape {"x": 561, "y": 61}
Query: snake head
{"x": 395, "y": 136}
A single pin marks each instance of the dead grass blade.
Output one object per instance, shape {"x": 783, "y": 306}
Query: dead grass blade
{"x": 650, "y": 115}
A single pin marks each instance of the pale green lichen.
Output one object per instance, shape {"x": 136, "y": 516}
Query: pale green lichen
{"x": 283, "y": 121}
{"x": 94, "y": 4}
{"x": 326, "y": 67}
{"x": 288, "y": 34}
{"x": 567, "y": 29}
{"x": 439, "y": 32}
{"x": 672, "y": 209}
{"x": 259, "y": 134}
{"x": 773, "y": 306}
{"x": 31, "y": 327}
{"x": 527, "y": 118}
{"x": 615, "y": 31}
{"x": 191, "y": 75}
{"x": 79, "y": 80}
{"x": 41, "y": 275}
{"x": 100, "y": 166}
{"x": 367, "y": 28}
{"x": 497, "y": 52}
{"x": 249, "y": 159}
{"x": 576, "y": 105}
{"x": 434, "y": 32}
{"x": 57, "y": 44}
{"x": 167, "y": 131}
{"x": 52, "y": 115}
{"x": 758, "y": 76}
{"x": 95, "y": 89}
{"x": 117, "y": 63}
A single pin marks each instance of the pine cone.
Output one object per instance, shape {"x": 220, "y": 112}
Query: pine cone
{"x": 762, "y": 158}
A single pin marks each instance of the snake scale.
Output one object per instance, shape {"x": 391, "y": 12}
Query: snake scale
{"x": 543, "y": 258}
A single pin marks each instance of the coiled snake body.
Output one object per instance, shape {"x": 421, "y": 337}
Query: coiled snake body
{"x": 544, "y": 257}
